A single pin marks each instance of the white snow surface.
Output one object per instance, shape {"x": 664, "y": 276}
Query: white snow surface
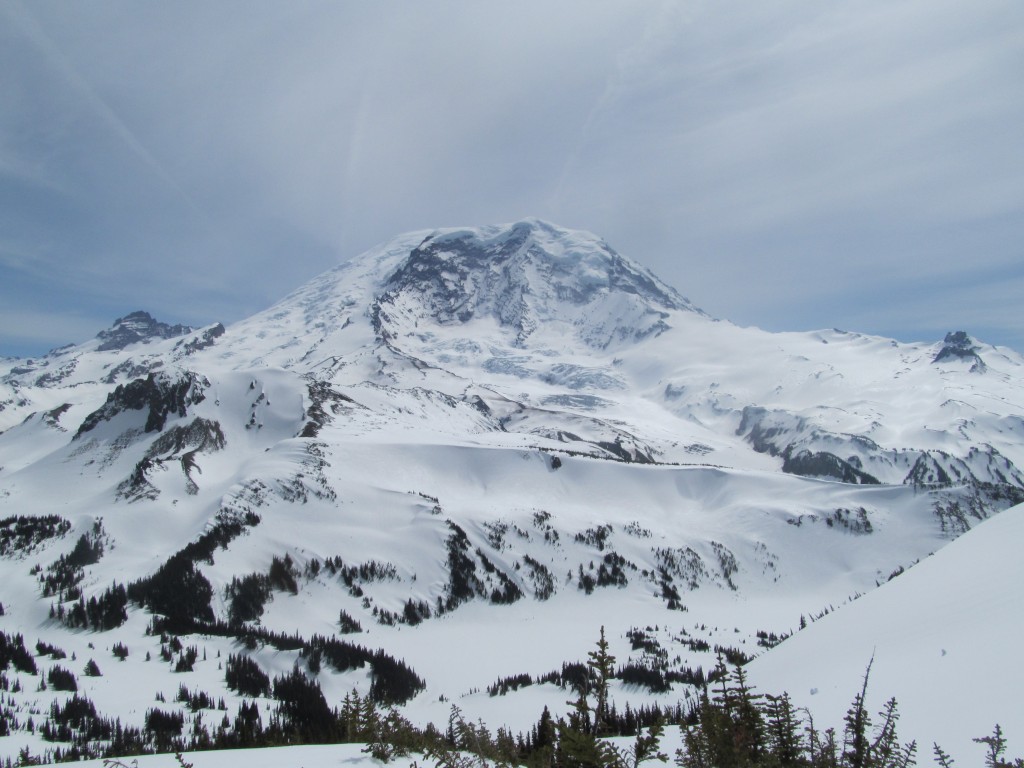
{"x": 941, "y": 638}
{"x": 533, "y": 388}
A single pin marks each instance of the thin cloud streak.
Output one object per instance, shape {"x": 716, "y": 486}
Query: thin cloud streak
{"x": 779, "y": 164}
{"x": 23, "y": 18}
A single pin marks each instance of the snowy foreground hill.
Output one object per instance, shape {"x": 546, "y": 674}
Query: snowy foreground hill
{"x": 443, "y": 466}
{"x": 943, "y": 638}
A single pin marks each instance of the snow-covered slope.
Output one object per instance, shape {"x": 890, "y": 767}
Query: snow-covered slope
{"x": 942, "y": 638}
{"x": 466, "y": 430}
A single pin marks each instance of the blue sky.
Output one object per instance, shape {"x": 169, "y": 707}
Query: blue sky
{"x": 793, "y": 165}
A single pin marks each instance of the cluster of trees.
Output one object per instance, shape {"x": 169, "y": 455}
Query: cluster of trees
{"x": 347, "y": 624}
{"x": 353, "y": 575}
{"x": 658, "y": 679}
{"x": 45, "y": 649}
{"x": 738, "y": 727}
{"x": 244, "y": 675}
{"x": 76, "y": 722}
{"x": 543, "y": 581}
{"x": 509, "y": 592}
{"x": 246, "y": 597}
{"x": 178, "y": 591}
{"x": 731, "y": 726}
{"x": 61, "y": 679}
{"x": 394, "y": 682}
{"x": 63, "y": 576}
{"x": 595, "y": 537}
{"x": 99, "y": 614}
{"x": 463, "y": 582}
{"x": 13, "y": 651}
{"x": 302, "y": 716}
{"x": 21, "y": 533}
{"x": 197, "y": 700}
{"x": 610, "y": 573}
{"x": 734, "y": 726}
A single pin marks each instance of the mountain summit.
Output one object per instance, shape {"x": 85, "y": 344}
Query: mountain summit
{"x": 529, "y": 287}
{"x": 136, "y": 327}
{"x": 526, "y": 274}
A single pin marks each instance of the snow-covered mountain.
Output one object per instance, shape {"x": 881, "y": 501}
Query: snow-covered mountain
{"x": 464, "y": 432}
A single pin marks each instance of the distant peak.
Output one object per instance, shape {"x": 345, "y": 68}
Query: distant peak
{"x": 138, "y": 326}
{"x": 578, "y": 264}
{"x": 959, "y": 346}
{"x": 525, "y": 273}
{"x": 958, "y": 339}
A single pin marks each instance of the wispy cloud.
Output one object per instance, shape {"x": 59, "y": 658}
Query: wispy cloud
{"x": 777, "y": 163}
{"x": 21, "y": 16}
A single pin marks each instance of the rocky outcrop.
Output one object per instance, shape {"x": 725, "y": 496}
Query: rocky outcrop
{"x": 199, "y": 342}
{"x": 162, "y": 394}
{"x": 958, "y": 346}
{"x": 522, "y": 276}
{"x": 136, "y": 327}
{"x": 825, "y": 465}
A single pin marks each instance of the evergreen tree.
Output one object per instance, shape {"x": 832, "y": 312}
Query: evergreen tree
{"x": 746, "y": 716}
{"x": 647, "y": 746}
{"x": 545, "y": 736}
{"x": 602, "y": 670}
{"x": 855, "y": 743}
{"x": 577, "y": 746}
{"x": 783, "y": 733}
{"x": 942, "y": 758}
{"x": 996, "y": 744}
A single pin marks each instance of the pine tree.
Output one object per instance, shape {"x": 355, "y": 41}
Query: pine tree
{"x": 349, "y": 716}
{"x": 855, "y": 737}
{"x": 730, "y": 730}
{"x": 647, "y": 747}
{"x": 996, "y": 744}
{"x": 748, "y": 723}
{"x": 885, "y": 750}
{"x": 700, "y": 743}
{"x": 539, "y": 749}
{"x": 822, "y": 748}
{"x": 941, "y": 757}
{"x": 602, "y": 667}
{"x": 577, "y": 745}
{"x": 783, "y": 733}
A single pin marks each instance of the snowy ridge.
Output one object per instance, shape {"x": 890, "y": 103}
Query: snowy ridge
{"x": 465, "y": 430}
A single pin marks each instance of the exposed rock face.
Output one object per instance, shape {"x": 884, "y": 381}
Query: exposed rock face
{"x": 136, "y": 327}
{"x": 828, "y": 465}
{"x": 162, "y": 394}
{"x": 523, "y": 276}
{"x": 180, "y": 443}
{"x": 959, "y": 346}
{"x": 202, "y": 341}
{"x": 200, "y": 435}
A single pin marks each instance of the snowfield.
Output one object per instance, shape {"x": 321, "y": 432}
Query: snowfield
{"x": 941, "y": 638}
